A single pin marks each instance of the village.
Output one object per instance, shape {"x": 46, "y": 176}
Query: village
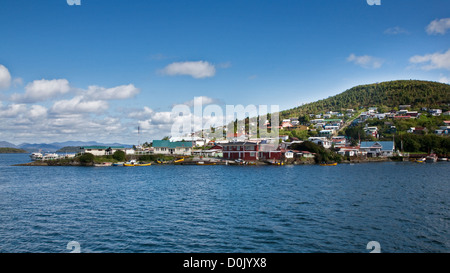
{"x": 323, "y": 129}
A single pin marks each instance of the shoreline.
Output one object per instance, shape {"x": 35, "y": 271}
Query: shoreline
{"x": 65, "y": 163}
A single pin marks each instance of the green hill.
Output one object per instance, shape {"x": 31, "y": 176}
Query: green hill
{"x": 385, "y": 95}
{"x": 7, "y": 150}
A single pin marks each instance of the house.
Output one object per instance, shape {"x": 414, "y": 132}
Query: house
{"x": 371, "y": 131}
{"x": 295, "y": 121}
{"x": 327, "y": 133}
{"x": 197, "y": 141}
{"x": 286, "y": 123}
{"x": 372, "y": 109}
{"x": 306, "y": 154}
{"x": 435, "y": 112}
{"x": 102, "y": 150}
{"x": 348, "y": 151}
{"x": 215, "y": 151}
{"x": 167, "y": 147}
{"x": 377, "y": 148}
{"x": 339, "y": 141}
{"x": 446, "y": 113}
{"x": 269, "y": 151}
{"x": 323, "y": 141}
{"x": 241, "y": 150}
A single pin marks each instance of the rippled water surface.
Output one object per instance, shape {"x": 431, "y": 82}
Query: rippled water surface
{"x": 403, "y": 206}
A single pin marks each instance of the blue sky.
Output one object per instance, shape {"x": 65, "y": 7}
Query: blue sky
{"x": 98, "y": 70}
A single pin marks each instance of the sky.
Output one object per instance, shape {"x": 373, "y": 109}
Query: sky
{"x": 99, "y": 70}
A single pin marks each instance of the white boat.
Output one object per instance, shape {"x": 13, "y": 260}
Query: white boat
{"x": 104, "y": 164}
{"x": 431, "y": 158}
{"x": 442, "y": 159}
{"x": 50, "y": 156}
{"x": 36, "y": 156}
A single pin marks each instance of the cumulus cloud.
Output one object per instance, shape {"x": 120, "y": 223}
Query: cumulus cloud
{"x": 438, "y": 26}
{"x": 197, "y": 70}
{"x": 365, "y": 61}
{"x": 41, "y": 90}
{"x": 115, "y": 93}
{"x": 79, "y": 105}
{"x": 5, "y": 77}
{"x": 12, "y": 110}
{"x": 432, "y": 61}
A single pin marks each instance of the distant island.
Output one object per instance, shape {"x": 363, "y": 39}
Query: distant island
{"x": 8, "y": 150}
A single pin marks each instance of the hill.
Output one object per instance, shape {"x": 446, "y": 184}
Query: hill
{"x": 7, "y": 144}
{"x": 8, "y": 150}
{"x": 385, "y": 95}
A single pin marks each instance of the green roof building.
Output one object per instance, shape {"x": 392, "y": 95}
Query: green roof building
{"x": 172, "y": 148}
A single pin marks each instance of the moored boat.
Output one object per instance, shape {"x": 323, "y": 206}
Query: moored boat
{"x": 442, "y": 159}
{"x": 103, "y": 164}
{"x": 329, "y": 164}
{"x": 36, "y": 156}
{"x": 133, "y": 163}
{"x": 203, "y": 163}
{"x": 431, "y": 158}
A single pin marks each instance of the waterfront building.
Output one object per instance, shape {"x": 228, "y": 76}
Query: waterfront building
{"x": 167, "y": 147}
{"x": 377, "y": 148}
{"x": 101, "y": 150}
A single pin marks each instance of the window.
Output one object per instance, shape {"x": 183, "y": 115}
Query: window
{"x": 252, "y": 154}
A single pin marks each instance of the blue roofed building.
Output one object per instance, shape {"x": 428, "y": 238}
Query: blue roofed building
{"x": 377, "y": 148}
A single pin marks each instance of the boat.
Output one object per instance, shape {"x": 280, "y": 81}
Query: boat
{"x": 134, "y": 163}
{"x": 442, "y": 159}
{"x": 421, "y": 160}
{"x": 179, "y": 160}
{"x": 36, "y": 156}
{"x": 329, "y": 164}
{"x": 50, "y": 156}
{"x": 118, "y": 164}
{"x": 431, "y": 158}
{"x": 276, "y": 163}
{"x": 103, "y": 164}
{"x": 205, "y": 163}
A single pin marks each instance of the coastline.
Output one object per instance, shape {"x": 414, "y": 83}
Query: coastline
{"x": 75, "y": 163}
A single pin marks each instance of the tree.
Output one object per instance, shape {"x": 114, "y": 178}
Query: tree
{"x": 87, "y": 158}
{"x": 119, "y": 155}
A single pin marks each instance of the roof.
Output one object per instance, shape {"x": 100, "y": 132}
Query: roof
{"x": 169, "y": 144}
{"x": 386, "y": 145}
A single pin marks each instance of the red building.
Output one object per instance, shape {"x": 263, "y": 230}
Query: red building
{"x": 247, "y": 151}
{"x": 251, "y": 151}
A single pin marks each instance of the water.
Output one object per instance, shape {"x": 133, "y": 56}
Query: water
{"x": 403, "y": 206}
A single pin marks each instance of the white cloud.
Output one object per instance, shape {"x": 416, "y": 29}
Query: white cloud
{"x": 79, "y": 105}
{"x": 433, "y": 61}
{"x": 5, "y": 77}
{"x": 115, "y": 93}
{"x": 438, "y": 26}
{"x": 145, "y": 114}
{"x": 365, "y": 61}
{"x": 41, "y": 90}
{"x": 37, "y": 111}
{"x": 12, "y": 110}
{"x": 200, "y": 100}
{"x": 197, "y": 70}
{"x": 396, "y": 30}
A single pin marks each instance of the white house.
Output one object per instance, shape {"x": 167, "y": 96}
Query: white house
{"x": 323, "y": 141}
{"x": 101, "y": 150}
